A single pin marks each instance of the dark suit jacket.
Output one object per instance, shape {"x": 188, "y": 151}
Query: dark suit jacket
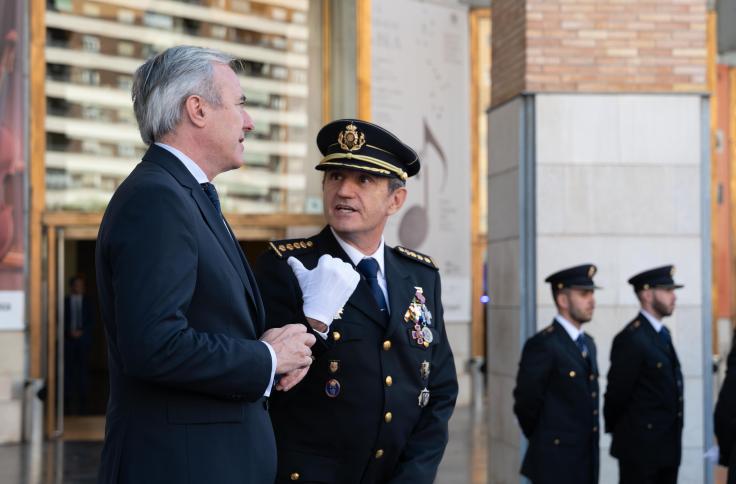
{"x": 335, "y": 440}
{"x": 88, "y": 319}
{"x": 644, "y": 398}
{"x": 725, "y": 416}
{"x": 182, "y": 314}
{"x": 556, "y": 403}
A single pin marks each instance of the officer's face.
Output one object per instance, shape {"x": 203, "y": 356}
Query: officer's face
{"x": 663, "y": 301}
{"x": 579, "y": 303}
{"x": 357, "y": 204}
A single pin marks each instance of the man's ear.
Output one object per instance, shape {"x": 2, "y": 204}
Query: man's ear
{"x": 562, "y": 300}
{"x": 195, "y": 110}
{"x": 398, "y": 197}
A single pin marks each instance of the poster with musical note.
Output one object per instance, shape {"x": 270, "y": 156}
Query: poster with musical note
{"x": 12, "y": 166}
{"x": 420, "y": 90}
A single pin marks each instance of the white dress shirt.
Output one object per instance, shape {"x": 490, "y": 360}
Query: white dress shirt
{"x": 656, "y": 323}
{"x": 201, "y": 177}
{"x": 570, "y": 328}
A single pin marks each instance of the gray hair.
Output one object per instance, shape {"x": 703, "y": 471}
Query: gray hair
{"x": 165, "y": 81}
{"x": 395, "y": 183}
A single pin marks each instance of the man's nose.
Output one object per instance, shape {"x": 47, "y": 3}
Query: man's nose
{"x": 248, "y": 124}
{"x": 346, "y": 188}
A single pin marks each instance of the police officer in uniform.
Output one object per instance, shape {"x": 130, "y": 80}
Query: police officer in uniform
{"x": 644, "y": 398}
{"x": 725, "y": 417}
{"x": 556, "y": 394}
{"x": 374, "y": 406}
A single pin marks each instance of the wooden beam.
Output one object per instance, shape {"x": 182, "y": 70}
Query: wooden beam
{"x": 479, "y": 240}
{"x": 326, "y": 61}
{"x": 37, "y": 182}
{"x": 364, "y": 61}
{"x": 244, "y": 221}
{"x": 51, "y": 373}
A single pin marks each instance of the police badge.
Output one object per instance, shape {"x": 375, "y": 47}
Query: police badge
{"x": 350, "y": 139}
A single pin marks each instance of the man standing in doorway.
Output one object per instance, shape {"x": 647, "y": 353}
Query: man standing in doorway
{"x": 189, "y": 376}
{"x": 79, "y": 321}
{"x": 375, "y": 404}
{"x": 556, "y": 394}
{"x": 644, "y": 398}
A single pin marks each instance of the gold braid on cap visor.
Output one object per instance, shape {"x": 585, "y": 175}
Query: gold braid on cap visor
{"x": 383, "y": 167}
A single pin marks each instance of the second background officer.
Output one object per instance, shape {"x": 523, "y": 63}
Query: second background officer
{"x": 556, "y": 394}
{"x": 644, "y": 398}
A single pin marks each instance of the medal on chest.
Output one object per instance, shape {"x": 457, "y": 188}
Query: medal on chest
{"x": 419, "y": 318}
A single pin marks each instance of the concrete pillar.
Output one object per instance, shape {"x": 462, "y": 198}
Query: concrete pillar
{"x": 598, "y": 147}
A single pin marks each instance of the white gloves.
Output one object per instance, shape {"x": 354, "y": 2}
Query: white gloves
{"x": 326, "y": 288}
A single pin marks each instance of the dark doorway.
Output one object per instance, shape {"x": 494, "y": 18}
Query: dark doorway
{"x": 86, "y": 385}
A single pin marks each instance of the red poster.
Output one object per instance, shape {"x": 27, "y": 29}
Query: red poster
{"x": 12, "y": 163}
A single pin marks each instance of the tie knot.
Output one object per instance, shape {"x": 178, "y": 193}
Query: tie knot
{"x": 211, "y": 192}
{"x": 368, "y": 267}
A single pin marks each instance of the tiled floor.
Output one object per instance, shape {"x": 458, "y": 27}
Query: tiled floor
{"x": 76, "y": 462}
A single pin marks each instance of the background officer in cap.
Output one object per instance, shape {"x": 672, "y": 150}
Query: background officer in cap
{"x": 374, "y": 406}
{"x": 644, "y": 398}
{"x": 556, "y": 394}
{"x": 725, "y": 417}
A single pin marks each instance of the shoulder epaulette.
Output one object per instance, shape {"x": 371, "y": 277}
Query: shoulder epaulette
{"x": 289, "y": 247}
{"x": 549, "y": 329}
{"x": 634, "y": 325}
{"x": 415, "y": 256}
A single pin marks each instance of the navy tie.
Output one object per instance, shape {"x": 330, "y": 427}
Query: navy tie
{"x": 369, "y": 268}
{"x": 583, "y": 348}
{"x": 664, "y": 335}
{"x": 211, "y": 192}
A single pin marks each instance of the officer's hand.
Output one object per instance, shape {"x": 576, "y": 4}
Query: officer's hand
{"x": 326, "y": 288}
{"x": 290, "y": 379}
{"x": 291, "y": 344}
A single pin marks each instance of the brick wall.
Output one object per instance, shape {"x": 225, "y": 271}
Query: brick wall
{"x": 509, "y": 49}
{"x": 601, "y": 46}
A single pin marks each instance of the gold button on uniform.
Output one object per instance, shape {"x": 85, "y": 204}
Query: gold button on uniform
{"x": 557, "y": 441}
{"x": 591, "y": 377}
{"x": 388, "y": 417}
{"x": 294, "y": 476}
{"x": 386, "y": 345}
{"x": 659, "y": 364}
{"x": 595, "y": 412}
{"x": 336, "y": 336}
{"x": 379, "y": 453}
{"x": 594, "y": 394}
{"x": 595, "y": 429}
{"x": 572, "y": 374}
{"x": 389, "y": 381}
{"x": 679, "y": 414}
{"x": 649, "y": 426}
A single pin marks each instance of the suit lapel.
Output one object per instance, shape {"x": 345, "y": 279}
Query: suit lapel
{"x": 362, "y": 299}
{"x": 252, "y": 286}
{"x": 177, "y": 169}
{"x": 400, "y": 290}
{"x": 593, "y": 353}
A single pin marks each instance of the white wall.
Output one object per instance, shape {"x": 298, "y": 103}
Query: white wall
{"x": 12, "y": 361}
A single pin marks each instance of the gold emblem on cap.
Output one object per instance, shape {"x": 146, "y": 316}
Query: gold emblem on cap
{"x": 672, "y": 271}
{"x": 351, "y": 139}
{"x": 591, "y": 271}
